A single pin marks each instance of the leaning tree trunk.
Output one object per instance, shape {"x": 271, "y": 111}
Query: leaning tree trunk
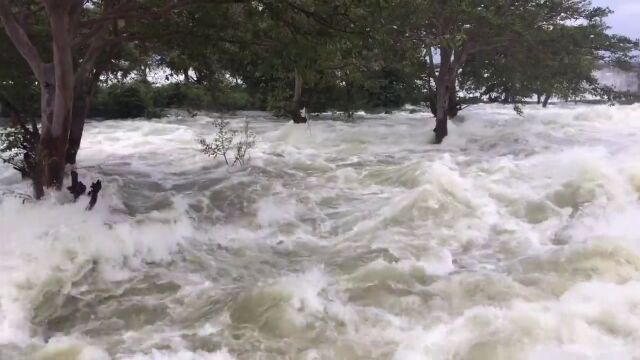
{"x": 545, "y": 102}
{"x": 79, "y": 112}
{"x": 83, "y": 93}
{"x": 295, "y": 108}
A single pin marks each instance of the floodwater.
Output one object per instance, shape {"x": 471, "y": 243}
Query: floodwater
{"x": 518, "y": 238}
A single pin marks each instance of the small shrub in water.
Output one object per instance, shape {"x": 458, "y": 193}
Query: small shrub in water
{"x": 229, "y": 140}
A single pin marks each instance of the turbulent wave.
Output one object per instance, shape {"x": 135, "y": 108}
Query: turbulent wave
{"x": 515, "y": 239}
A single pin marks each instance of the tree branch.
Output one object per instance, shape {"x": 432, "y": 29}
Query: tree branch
{"x": 20, "y": 40}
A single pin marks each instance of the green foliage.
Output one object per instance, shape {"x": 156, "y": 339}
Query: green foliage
{"x": 179, "y": 95}
{"x": 234, "y": 97}
{"x": 224, "y": 97}
{"x": 140, "y": 99}
{"x": 551, "y": 59}
{"x": 351, "y": 55}
{"x": 18, "y": 87}
{"x": 122, "y": 101}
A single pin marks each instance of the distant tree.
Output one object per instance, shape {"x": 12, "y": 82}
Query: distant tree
{"x": 452, "y": 32}
{"x": 558, "y": 60}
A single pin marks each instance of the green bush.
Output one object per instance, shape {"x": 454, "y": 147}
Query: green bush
{"x": 122, "y": 101}
{"x": 234, "y": 98}
{"x": 141, "y": 99}
{"x": 178, "y": 95}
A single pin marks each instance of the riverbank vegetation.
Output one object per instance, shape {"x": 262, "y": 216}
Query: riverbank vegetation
{"x": 66, "y": 60}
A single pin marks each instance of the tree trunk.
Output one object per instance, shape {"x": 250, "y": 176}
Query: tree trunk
{"x": 453, "y": 108}
{"x": 83, "y": 93}
{"x": 539, "y": 98}
{"x": 45, "y": 147}
{"x": 442, "y": 104}
{"x": 432, "y": 98}
{"x": 295, "y": 107}
{"x": 443, "y": 94}
{"x": 545, "y": 102}
{"x": 349, "y": 98}
{"x": 79, "y": 112}
{"x": 54, "y": 139}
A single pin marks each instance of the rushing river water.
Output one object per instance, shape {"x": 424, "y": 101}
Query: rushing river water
{"x": 519, "y": 238}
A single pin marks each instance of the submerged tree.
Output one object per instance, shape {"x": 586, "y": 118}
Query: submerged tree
{"x": 558, "y": 60}
{"x": 68, "y": 66}
{"x": 460, "y": 34}
{"x": 296, "y": 53}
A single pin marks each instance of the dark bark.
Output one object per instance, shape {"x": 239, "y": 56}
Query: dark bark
{"x": 349, "y": 98}
{"x": 450, "y": 62}
{"x": 453, "y": 108}
{"x": 539, "y": 98}
{"x": 78, "y": 117}
{"x": 83, "y": 93}
{"x": 93, "y": 193}
{"x": 545, "y": 102}
{"x": 442, "y": 102}
{"x": 295, "y": 108}
{"x": 443, "y": 88}
{"x": 431, "y": 101}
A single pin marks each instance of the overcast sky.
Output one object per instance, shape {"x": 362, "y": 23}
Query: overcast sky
{"x": 626, "y": 19}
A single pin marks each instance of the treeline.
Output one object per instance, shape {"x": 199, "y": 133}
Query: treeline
{"x": 384, "y": 90}
{"x": 142, "y": 99}
{"x": 65, "y": 60}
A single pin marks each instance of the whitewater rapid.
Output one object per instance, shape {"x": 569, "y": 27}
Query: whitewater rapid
{"x": 518, "y": 238}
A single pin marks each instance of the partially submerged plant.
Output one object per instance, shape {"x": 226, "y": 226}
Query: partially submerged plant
{"x": 227, "y": 140}
{"x": 18, "y": 148}
{"x": 246, "y": 142}
{"x": 518, "y": 109}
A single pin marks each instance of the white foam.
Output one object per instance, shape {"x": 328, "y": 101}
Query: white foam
{"x": 181, "y": 355}
{"x": 515, "y": 239}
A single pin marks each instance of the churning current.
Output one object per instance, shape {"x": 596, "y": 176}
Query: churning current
{"x": 518, "y": 238}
